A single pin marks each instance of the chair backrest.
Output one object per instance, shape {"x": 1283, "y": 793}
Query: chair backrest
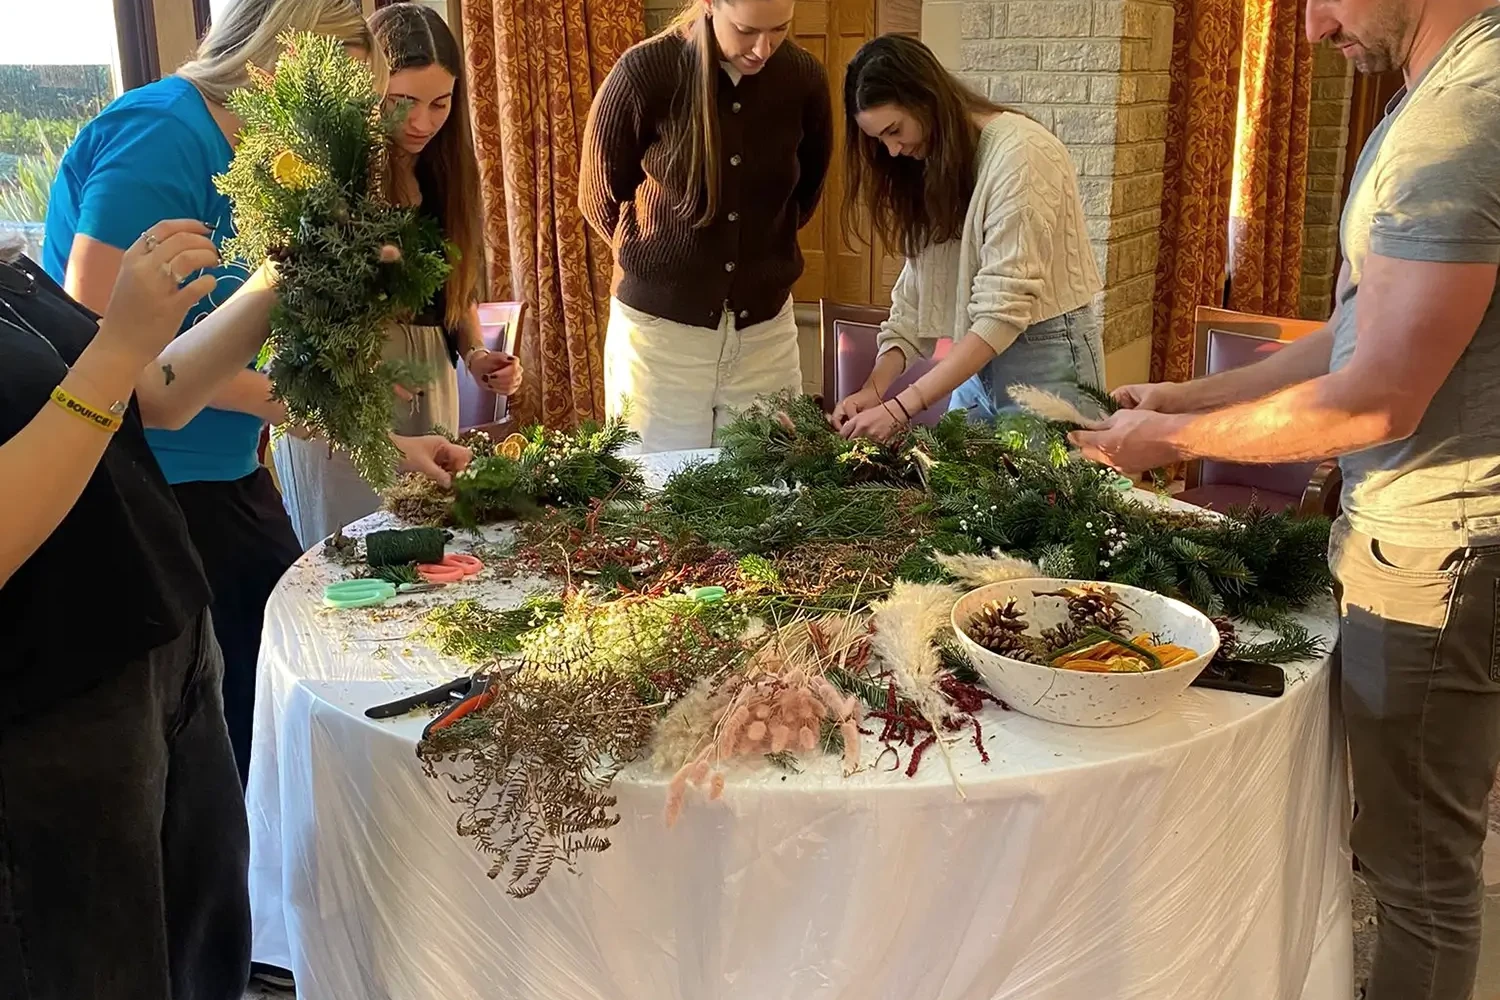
{"x": 499, "y": 330}
{"x": 1228, "y": 340}
{"x": 849, "y": 350}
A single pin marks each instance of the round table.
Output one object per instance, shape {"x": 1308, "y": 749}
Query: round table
{"x": 1198, "y": 855}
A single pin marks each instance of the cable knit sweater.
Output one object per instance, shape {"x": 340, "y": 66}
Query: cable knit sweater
{"x": 1024, "y": 256}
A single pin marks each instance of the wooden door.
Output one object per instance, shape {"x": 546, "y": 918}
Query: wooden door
{"x": 836, "y": 268}
{"x": 811, "y": 30}
{"x": 893, "y": 17}
{"x": 844, "y": 266}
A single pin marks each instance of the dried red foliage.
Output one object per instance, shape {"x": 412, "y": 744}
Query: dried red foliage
{"x": 904, "y": 726}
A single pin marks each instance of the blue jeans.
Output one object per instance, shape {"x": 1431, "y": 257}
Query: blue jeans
{"x": 1056, "y": 354}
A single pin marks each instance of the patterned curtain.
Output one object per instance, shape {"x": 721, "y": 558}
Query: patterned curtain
{"x": 1195, "y": 198}
{"x": 533, "y": 67}
{"x": 1270, "y": 160}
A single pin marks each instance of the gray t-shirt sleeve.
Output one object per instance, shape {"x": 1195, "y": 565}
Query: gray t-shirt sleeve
{"x": 1439, "y": 199}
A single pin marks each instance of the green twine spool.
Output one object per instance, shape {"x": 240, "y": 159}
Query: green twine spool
{"x": 405, "y": 545}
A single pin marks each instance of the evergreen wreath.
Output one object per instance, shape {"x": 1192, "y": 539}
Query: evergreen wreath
{"x": 1013, "y": 486}
{"x": 307, "y": 185}
{"x": 807, "y": 503}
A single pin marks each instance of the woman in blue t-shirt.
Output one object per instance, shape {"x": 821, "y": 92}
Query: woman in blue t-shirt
{"x": 151, "y": 155}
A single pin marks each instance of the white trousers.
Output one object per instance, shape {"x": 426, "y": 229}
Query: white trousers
{"x": 679, "y": 384}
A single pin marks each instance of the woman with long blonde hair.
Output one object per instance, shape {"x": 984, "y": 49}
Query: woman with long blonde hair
{"x": 433, "y": 168}
{"x": 705, "y": 153}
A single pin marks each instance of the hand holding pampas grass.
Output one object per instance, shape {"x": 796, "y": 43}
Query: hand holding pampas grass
{"x": 1050, "y": 406}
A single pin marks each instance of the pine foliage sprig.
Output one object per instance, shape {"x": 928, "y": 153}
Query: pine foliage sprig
{"x": 786, "y": 439}
{"x": 306, "y": 184}
{"x": 1099, "y": 396}
{"x": 538, "y": 468}
{"x": 1291, "y": 643}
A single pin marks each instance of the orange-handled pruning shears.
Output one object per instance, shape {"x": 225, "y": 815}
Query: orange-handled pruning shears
{"x": 463, "y": 696}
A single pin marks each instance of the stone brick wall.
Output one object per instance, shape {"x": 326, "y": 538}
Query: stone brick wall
{"x": 1333, "y": 82}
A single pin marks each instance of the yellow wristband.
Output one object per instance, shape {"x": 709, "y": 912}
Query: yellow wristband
{"x": 102, "y": 419}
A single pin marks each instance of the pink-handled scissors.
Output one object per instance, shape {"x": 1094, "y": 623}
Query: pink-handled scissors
{"x": 455, "y": 566}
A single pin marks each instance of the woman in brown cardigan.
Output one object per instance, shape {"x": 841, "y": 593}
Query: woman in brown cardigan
{"x": 705, "y": 153}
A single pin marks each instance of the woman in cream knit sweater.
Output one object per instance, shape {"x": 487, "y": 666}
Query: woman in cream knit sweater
{"x": 983, "y": 202}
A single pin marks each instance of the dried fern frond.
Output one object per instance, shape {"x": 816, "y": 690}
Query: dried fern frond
{"x": 533, "y": 769}
{"x": 981, "y": 571}
{"x": 1051, "y": 406}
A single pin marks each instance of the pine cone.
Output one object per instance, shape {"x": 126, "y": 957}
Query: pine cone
{"x": 1062, "y": 636}
{"x": 1018, "y": 646}
{"x": 1001, "y": 629}
{"x": 1097, "y": 607}
{"x": 1228, "y": 637}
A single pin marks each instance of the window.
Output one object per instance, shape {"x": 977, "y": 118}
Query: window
{"x": 52, "y": 81}
{"x": 217, "y": 7}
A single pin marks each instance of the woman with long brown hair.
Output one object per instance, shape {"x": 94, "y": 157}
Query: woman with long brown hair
{"x": 434, "y": 169}
{"x": 983, "y": 201}
{"x": 705, "y": 153}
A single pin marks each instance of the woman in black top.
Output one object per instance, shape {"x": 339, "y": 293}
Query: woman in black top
{"x": 123, "y": 844}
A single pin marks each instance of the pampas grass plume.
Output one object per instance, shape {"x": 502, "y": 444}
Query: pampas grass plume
{"x": 1051, "y": 406}
{"x": 981, "y": 571}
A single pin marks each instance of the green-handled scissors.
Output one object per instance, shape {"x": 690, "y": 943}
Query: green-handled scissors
{"x": 358, "y": 593}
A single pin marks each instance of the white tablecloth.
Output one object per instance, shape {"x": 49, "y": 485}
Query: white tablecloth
{"x": 1196, "y": 856}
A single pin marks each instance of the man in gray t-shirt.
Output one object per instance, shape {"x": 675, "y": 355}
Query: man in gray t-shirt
{"x": 1403, "y": 385}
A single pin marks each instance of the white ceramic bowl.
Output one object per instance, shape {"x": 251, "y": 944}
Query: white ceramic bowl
{"x": 1075, "y": 697}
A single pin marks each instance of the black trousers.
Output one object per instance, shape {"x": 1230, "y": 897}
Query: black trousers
{"x": 246, "y": 543}
{"x": 123, "y": 843}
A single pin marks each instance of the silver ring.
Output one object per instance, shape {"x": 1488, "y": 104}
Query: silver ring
{"x": 151, "y": 241}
